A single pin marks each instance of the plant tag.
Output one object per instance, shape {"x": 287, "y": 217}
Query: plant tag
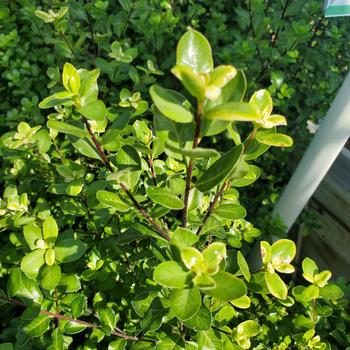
{"x": 337, "y": 8}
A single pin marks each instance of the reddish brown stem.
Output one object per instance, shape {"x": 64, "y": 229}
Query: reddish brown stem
{"x": 212, "y": 205}
{"x": 123, "y": 186}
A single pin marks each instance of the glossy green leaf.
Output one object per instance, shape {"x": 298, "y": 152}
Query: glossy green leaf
{"x": 50, "y": 277}
{"x": 113, "y": 200}
{"x": 210, "y": 339}
{"x": 283, "y": 251}
{"x": 77, "y": 305}
{"x": 233, "y": 111}
{"x": 71, "y": 78}
{"x": 242, "y": 303}
{"x": 322, "y": 278}
{"x": 201, "y": 321}
{"x": 274, "y": 139}
{"x": 193, "y": 82}
{"x": 263, "y": 101}
{"x": 86, "y": 149}
{"x": 33, "y": 328}
{"x": 248, "y": 329}
{"x": 309, "y": 269}
{"x": 204, "y": 281}
{"x": 196, "y": 153}
{"x": 220, "y": 169}
{"x": 67, "y": 128}
{"x": 305, "y": 294}
{"x": 331, "y": 292}
{"x": 230, "y": 211}
{"x": 107, "y": 317}
{"x": 183, "y": 237}
{"x": 32, "y": 262}
{"x": 184, "y": 303}
{"x": 50, "y": 256}
{"x": 193, "y": 50}
{"x": 253, "y": 173}
{"x": 57, "y": 99}
{"x": 172, "y": 275}
{"x": 265, "y": 250}
{"x": 50, "y": 230}
{"x": 213, "y": 255}
{"x": 94, "y": 110}
{"x": 172, "y": 105}
{"x": 22, "y": 286}
{"x": 88, "y": 89}
{"x": 228, "y": 287}
{"x": 275, "y": 285}
{"x": 165, "y": 198}
{"x": 154, "y": 316}
{"x": 193, "y": 259}
{"x": 69, "y": 250}
{"x": 218, "y": 78}
{"x": 243, "y": 266}
{"x": 225, "y": 315}
{"x": 32, "y": 233}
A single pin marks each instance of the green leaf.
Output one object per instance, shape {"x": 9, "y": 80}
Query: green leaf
{"x": 50, "y": 277}
{"x": 201, "y": 321}
{"x": 195, "y": 153}
{"x": 213, "y": 255}
{"x": 210, "y": 339}
{"x": 309, "y": 269}
{"x": 243, "y": 266}
{"x": 153, "y": 318}
{"x": 77, "y": 305}
{"x": 50, "y": 256}
{"x": 322, "y": 278}
{"x": 118, "y": 344}
{"x": 57, "y": 339}
{"x": 183, "y": 237}
{"x": 86, "y": 149}
{"x": 193, "y": 259}
{"x": 171, "y": 104}
{"x": 113, "y": 200}
{"x": 242, "y": 302}
{"x": 71, "y": 78}
{"x": 228, "y": 287}
{"x": 220, "y": 170}
{"x": 32, "y": 262}
{"x": 22, "y": 286}
{"x": 69, "y": 250}
{"x": 88, "y": 88}
{"x": 32, "y": 329}
{"x": 248, "y": 329}
{"x": 275, "y": 285}
{"x": 107, "y": 317}
{"x": 193, "y": 50}
{"x": 263, "y": 101}
{"x": 265, "y": 250}
{"x": 165, "y": 198}
{"x": 95, "y": 110}
{"x": 233, "y": 111}
{"x": 67, "y": 128}
{"x": 32, "y": 233}
{"x": 331, "y": 292}
{"x": 230, "y": 211}
{"x": 218, "y": 78}
{"x": 274, "y": 139}
{"x": 305, "y": 294}
{"x": 184, "y": 303}
{"x": 283, "y": 251}
{"x": 204, "y": 281}
{"x": 57, "y": 99}
{"x": 50, "y": 230}
{"x": 171, "y": 274}
{"x": 225, "y": 315}
{"x": 253, "y": 173}
{"x": 193, "y": 82}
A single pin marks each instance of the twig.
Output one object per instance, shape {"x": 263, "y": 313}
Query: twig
{"x": 117, "y": 332}
{"x": 91, "y": 29}
{"x": 68, "y": 44}
{"x": 225, "y": 185}
{"x": 196, "y": 141}
{"x": 108, "y": 165}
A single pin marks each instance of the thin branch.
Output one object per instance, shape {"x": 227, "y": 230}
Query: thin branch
{"x": 68, "y": 44}
{"x": 108, "y": 165}
{"x": 91, "y": 29}
{"x": 225, "y": 185}
{"x": 196, "y": 140}
{"x": 117, "y": 332}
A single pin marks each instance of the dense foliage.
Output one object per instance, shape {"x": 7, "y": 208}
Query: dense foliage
{"x": 123, "y": 233}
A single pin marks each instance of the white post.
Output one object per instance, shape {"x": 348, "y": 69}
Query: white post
{"x": 318, "y": 158}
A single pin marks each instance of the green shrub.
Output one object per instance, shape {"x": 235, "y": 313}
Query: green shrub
{"x": 123, "y": 233}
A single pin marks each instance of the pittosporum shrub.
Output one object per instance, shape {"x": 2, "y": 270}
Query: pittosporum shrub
{"x": 123, "y": 233}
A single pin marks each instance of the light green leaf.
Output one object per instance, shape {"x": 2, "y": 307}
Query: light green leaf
{"x": 184, "y": 303}
{"x": 165, "y": 198}
{"x": 201, "y": 321}
{"x": 265, "y": 250}
{"x": 107, "y": 317}
{"x": 225, "y": 315}
{"x": 57, "y": 99}
{"x": 248, "y": 329}
{"x": 32, "y": 262}
{"x": 88, "y": 89}
{"x": 171, "y": 274}
{"x": 228, "y": 287}
{"x": 95, "y": 110}
{"x": 253, "y": 173}
{"x": 275, "y": 285}
{"x": 218, "y": 78}
{"x": 86, "y": 149}
{"x": 195, "y": 153}
{"x": 243, "y": 266}
{"x": 32, "y": 329}
{"x": 22, "y": 286}
{"x": 193, "y": 259}
{"x": 67, "y": 128}
{"x": 57, "y": 339}
{"x": 220, "y": 170}
{"x": 113, "y": 200}
{"x": 242, "y": 302}
{"x": 331, "y": 292}
{"x": 71, "y": 78}
{"x": 171, "y": 104}
{"x": 274, "y": 139}
{"x": 263, "y": 101}
{"x": 210, "y": 339}
{"x": 233, "y": 111}
{"x": 69, "y": 250}
{"x": 50, "y": 256}
{"x": 50, "y": 277}
{"x": 183, "y": 237}
{"x": 194, "y": 51}
{"x": 230, "y": 211}
{"x": 322, "y": 278}
{"x": 213, "y": 255}
{"x": 282, "y": 251}
{"x": 309, "y": 269}
{"x": 305, "y": 294}
{"x": 193, "y": 82}
{"x": 77, "y": 305}
{"x": 50, "y": 230}
{"x": 32, "y": 233}
{"x": 204, "y": 281}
